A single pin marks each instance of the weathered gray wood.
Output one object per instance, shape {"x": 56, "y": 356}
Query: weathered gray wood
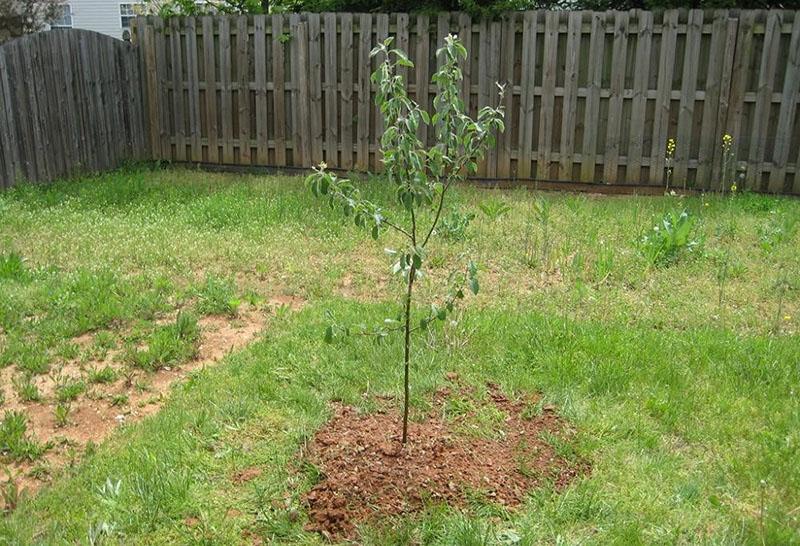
{"x": 691, "y": 59}
{"x": 666, "y": 69}
{"x": 212, "y": 129}
{"x": 729, "y": 50}
{"x": 549, "y": 64}
{"x": 260, "y": 58}
{"x": 493, "y": 73}
{"x": 633, "y": 168}
{"x": 193, "y": 88}
{"x": 8, "y": 130}
{"x": 402, "y": 42}
{"x": 226, "y": 95}
{"x": 527, "y": 97}
{"x": 614, "y": 125}
{"x": 364, "y": 100}
{"x": 592, "y": 110}
{"x": 315, "y": 81}
{"x": 279, "y": 91}
{"x": 741, "y": 64}
{"x": 709, "y": 137}
{"x": 302, "y": 94}
{"x": 788, "y": 109}
{"x": 346, "y": 132}
{"x": 421, "y": 66}
{"x": 570, "y": 104}
{"x": 507, "y": 80}
{"x": 179, "y": 93}
{"x": 243, "y": 93}
{"x": 179, "y": 118}
{"x": 331, "y": 92}
{"x": 761, "y": 114}
{"x": 381, "y": 34}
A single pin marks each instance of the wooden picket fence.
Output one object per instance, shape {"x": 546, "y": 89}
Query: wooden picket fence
{"x": 70, "y": 102}
{"x": 591, "y": 96}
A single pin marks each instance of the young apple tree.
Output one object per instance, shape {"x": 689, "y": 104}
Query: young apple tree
{"x": 421, "y": 176}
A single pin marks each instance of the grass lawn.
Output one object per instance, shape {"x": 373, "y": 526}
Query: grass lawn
{"x": 685, "y": 400}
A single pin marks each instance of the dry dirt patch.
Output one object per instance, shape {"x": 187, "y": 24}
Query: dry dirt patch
{"x": 98, "y": 411}
{"x": 366, "y": 475}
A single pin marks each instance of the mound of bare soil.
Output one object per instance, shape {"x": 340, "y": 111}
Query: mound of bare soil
{"x": 366, "y": 474}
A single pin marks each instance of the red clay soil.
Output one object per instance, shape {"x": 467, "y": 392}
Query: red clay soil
{"x": 366, "y": 475}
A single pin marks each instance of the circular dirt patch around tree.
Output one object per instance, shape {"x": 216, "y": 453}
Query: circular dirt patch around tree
{"x": 496, "y": 447}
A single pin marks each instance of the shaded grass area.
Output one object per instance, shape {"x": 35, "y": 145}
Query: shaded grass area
{"x": 685, "y": 401}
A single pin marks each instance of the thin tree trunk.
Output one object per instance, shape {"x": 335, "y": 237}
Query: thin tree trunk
{"x": 407, "y": 353}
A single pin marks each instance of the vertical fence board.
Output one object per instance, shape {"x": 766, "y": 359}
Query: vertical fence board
{"x": 421, "y": 66}
{"x": 362, "y": 127}
{"x": 331, "y": 92}
{"x": 709, "y": 137}
{"x": 614, "y": 129}
{"x": 507, "y": 80}
{"x": 226, "y": 96}
{"x": 243, "y": 93}
{"x": 212, "y": 128}
{"x": 691, "y": 59}
{"x": 346, "y": 131}
{"x": 260, "y": 58}
{"x": 633, "y": 169}
{"x": 193, "y": 76}
{"x": 766, "y": 78}
{"x": 279, "y": 91}
{"x": 666, "y": 69}
{"x": 788, "y": 109}
{"x": 592, "y": 111}
{"x": 570, "y": 104}
{"x": 527, "y": 96}
{"x": 549, "y": 63}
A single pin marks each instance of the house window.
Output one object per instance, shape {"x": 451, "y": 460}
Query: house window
{"x": 127, "y": 13}
{"x": 64, "y": 17}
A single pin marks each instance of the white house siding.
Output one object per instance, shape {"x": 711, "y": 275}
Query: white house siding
{"x": 98, "y": 15}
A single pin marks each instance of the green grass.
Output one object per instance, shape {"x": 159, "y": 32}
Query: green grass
{"x": 686, "y": 408}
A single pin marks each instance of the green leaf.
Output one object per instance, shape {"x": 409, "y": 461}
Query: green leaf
{"x": 375, "y": 232}
{"x": 329, "y": 334}
{"x": 473, "y": 285}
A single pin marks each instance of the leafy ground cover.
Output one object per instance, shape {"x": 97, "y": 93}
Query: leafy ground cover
{"x": 667, "y": 341}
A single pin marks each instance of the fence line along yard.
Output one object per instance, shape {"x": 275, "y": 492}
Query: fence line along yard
{"x": 592, "y": 96}
{"x": 70, "y": 102}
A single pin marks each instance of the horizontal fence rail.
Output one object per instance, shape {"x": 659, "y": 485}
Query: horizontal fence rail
{"x": 70, "y": 102}
{"x": 592, "y": 96}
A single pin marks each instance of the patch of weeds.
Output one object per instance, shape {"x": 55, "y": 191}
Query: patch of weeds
{"x": 11, "y": 494}
{"x": 777, "y": 230}
{"x": 68, "y": 351}
{"x": 61, "y": 415}
{"x": 12, "y": 267}
{"x": 27, "y": 356}
{"x": 217, "y": 297}
{"x": 119, "y": 400}
{"x": 68, "y": 390}
{"x": 26, "y": 389}
{"x": 103, "y": 375}
{"x": 603, "y": 264}
{"x": 453, "y": 227}
{"x": 14, "y": 442}
{"x": 169, "y": 344}
{"x": 671, "y": 238}
{"x": 494, "y": 208}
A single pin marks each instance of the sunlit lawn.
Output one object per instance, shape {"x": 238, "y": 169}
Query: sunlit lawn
{"x": 681, "y": 377}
